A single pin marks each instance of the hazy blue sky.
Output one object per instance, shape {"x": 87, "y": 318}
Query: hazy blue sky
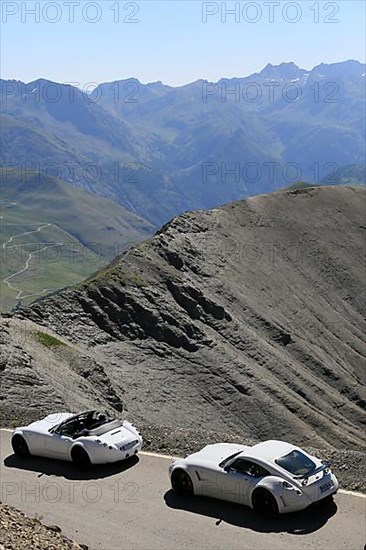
{"x": 169, "y": 40}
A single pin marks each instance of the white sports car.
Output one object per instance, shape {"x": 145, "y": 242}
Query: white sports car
{"x": 90, "y": 437}
{"x": 271, "y": 477}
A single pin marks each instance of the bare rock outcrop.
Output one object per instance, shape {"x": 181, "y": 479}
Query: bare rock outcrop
{"x": 249, "y": 319}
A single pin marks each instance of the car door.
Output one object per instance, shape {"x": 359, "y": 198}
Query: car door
{"x": 35, "y": 441}
{"x": 208, "y": 482}
{"x": 240, "y": 480}
{"x": 59, "y": 442}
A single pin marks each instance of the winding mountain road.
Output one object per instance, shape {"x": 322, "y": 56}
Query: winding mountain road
{"x": 25, "y": 233}
{"x": 5, "y": 246}
{"x": 130, "y": 505}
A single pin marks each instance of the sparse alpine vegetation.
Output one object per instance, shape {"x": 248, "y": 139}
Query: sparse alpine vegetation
{"x": 48, "y": 341}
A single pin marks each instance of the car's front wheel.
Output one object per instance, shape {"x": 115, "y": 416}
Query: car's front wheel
{"x": 20, "y": 446}
{"x": 80, "y": 457}
{"x": 264, "y": 503}
{"x": 182, "y": 483}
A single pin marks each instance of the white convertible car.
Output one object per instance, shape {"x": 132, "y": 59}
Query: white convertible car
{"x": 90, "y": 437}
{"x": 271, "y": 477}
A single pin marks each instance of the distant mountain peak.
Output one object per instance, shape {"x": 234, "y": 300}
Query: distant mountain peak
{"x": 343, "y": 69}
{"x": 282, "y": 71}
{"x": 284, "y": 64}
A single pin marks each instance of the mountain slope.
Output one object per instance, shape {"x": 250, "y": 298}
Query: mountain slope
{"x": 354, "y": 174}
{"x": 63, "y": 234}
{"x": 159, "y": 150}
{"x": 247, "y": 318}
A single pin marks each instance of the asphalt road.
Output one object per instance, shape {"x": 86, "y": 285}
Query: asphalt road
{"x": 130, "y": 506}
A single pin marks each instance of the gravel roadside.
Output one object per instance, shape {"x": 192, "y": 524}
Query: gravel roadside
{"x": 20, "y": 532}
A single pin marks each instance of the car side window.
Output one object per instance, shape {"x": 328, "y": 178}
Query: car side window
{"x": 248, "y": 467}
{"x": 66, "y": 429}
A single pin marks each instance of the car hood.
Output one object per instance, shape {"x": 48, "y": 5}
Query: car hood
{"x": 216, "y": 453}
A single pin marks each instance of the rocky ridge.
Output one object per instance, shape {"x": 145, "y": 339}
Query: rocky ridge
{"x": 246, "y": 319}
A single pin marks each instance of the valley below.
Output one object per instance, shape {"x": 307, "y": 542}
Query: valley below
{"x": 54, "y": 235}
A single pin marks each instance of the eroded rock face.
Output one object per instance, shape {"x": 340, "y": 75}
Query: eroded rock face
{"x": 37, "y": 378}
{"x": 246, "y": 318}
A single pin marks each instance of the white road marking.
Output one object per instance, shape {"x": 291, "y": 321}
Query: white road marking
{"x": 168, "y": 457}
{"x": 352, "y": 493}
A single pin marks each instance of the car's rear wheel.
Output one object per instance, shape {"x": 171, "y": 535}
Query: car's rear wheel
{"x": 182, "y": 483}
{"x": 80, "y": 457}
{"x": 20, "y": 446}
{"x": 264, "y": 503}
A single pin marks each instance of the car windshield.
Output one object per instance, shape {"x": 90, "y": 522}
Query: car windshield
{"x": 296, "y": 463}
{"x": 82, "y": 423}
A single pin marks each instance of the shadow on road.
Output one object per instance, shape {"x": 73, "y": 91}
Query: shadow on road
{"x": 67, "y": 470}
{"x": 299, "y": 523}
